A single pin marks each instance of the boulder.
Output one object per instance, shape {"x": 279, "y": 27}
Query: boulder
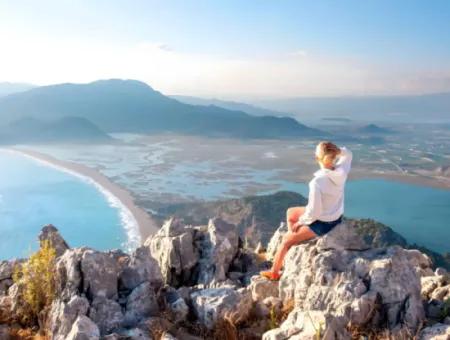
{"x": 438, "y": 331}
{"x": 141, "y": 267}
{"x": 106, "y": 314}
{"x": 83, "y": 329}
{"x": 7, "y": 269}
{"x": 141, "y": 303}
{"x": 212, "y": 304}
{"x": 276, "y": 240}
{"x": 338, "y": 276}
{"x": 51, "y": 234}
{"x": 68, "y": 270}
{"x": 175, "y": 305}
{"x": 303, "y": 325}
{"x": 100, "y": 275}
{"x": 173, "y": 247}
{"x": 62, "y": 315}
{"x": 262, "y": 288}
{"x": 219, "y": 246}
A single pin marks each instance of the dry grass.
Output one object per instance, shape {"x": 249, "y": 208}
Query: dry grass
{"x": 36, "y": 283}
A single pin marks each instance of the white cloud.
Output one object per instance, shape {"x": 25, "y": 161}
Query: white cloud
{"x": 48, "y": 61}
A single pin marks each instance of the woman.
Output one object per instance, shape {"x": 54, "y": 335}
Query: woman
{"x": 325, "y": 203}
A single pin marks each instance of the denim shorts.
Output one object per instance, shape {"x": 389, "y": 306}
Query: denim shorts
{"x": 320, "y": 228}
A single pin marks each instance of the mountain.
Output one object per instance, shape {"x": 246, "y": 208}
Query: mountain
{"x": 230, "y": 105}
{"x": 132, "y": 106}
{"x": 10, "y": 88}
{"x": 425, "y": 107}
{"x": 66, "y": 129}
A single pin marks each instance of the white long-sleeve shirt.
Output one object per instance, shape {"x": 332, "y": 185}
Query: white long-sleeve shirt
{"x": 326, "y": 192}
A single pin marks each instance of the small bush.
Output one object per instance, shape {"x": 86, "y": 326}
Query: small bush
{"x": 37, "y": 286}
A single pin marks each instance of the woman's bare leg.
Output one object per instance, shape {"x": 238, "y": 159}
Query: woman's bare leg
{"x": 289, "y": 240}
{"x": 292, "y": 216}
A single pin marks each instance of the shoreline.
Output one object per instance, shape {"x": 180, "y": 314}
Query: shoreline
{"x": 146, "y": 225}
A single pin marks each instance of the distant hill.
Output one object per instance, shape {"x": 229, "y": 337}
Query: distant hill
{"x": 10, "y": 88}
{"x": 418, "y": 107}
{"x": 66, "y": 129}
{"x": 374, "y": 129}
{"x": 230, "y": 105}
{"x": 132, "y": 106}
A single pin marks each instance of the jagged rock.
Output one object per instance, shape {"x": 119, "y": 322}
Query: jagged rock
{"x": 4, "y": 332}
{"x": 69, "y": 275}
{"x": 276, "y": 240}
{"x": 210, "y": 305}
{"x": 168, "y": 336}
{"x": 438, "y": 331}
{"x": 107, "y": 315}
{"x": 440, "y": 271}
{"x": 173, "y": 247}
{"x": 83, "y": 329}
{"x": 51, "y": 234}
{"x": 219, "y": 247}
{"x": 62, "y": 315}
{"x": 142, "y": 267}
{"x": 338, "y": 277}
{"x": 342, "y": 237}
{"x": 100, "y": 275}
{"x": 175, "y": 305}
{"x": 303, "y": 325}
{"x": 141, "y": 303}
{"x": 262, "y": 288}
{"x": 156, "y": 325}
{"x": 7, "y": 269}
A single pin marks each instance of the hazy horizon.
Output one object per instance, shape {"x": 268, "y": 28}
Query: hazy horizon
{"x": 232, "y": 50}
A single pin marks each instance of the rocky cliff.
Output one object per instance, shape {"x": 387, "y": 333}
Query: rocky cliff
{"x": 200, "y": 282}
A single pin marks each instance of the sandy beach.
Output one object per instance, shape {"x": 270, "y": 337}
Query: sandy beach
{"x": 146, "y": 224}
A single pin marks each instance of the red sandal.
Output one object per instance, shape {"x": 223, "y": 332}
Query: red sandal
{"x": 270, "y": 275}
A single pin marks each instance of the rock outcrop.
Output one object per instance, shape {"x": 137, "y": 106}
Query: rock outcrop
{"x": 188, "y": 281}
{"x": 337, "y": 282}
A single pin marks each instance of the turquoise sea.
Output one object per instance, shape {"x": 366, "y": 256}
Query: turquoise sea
{"x": 33, "y": 194}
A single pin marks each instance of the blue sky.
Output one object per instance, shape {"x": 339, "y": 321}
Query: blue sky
{"x": 232, "y": 49}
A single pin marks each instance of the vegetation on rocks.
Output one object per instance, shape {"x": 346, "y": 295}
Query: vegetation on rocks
{"x": 36, "y": 285}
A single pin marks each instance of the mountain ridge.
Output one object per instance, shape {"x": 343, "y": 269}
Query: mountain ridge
{"x": 132, "y": 106}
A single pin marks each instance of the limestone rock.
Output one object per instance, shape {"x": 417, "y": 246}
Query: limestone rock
{"x": 68, "y": 270}
{"x": 276, "y": 240}
{"x": 106, "y": 314}
{"x": 210, "y": 305}
{"x": 100, "y": 275}
{"x": 302, "y": 325}
{"x": 62, "y": 315}
{"x": 262, "y": 288}
{"x": 7, "y": 269}
{"x": 173, "y": 247}
{"x": 141, "y": 303}
{"x": 338, "y": 276}
{"x": 51, "y": 234}
{"x": 219, "y": 247}
{"x": 175, "y": 305}
{"x": 342, "y": 237}
{"x": 142, "y": 267}
{"x": 438, "y": 331}
{"x": 83, "y": 329}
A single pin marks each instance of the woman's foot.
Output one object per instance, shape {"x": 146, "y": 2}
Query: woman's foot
{"x": 270, "y": 275}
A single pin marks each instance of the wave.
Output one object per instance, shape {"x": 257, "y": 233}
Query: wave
{"x": 127, "y": 218}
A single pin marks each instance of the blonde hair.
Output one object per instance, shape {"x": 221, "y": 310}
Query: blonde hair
{"x": 327, "y": 152}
